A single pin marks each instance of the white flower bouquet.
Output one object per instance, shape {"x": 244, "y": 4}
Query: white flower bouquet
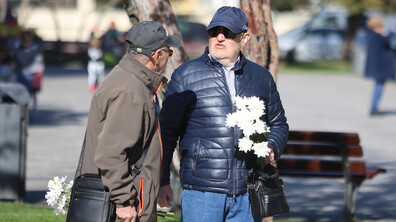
{"x": 58, "y": 196}
{"x": 248, "y": 117}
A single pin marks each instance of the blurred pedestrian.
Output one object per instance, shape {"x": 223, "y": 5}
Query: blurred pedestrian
{"x": 200, "y": 95}
{"x": 122, "y": 122}
{"x": 27, "y": 54}
{"x": 113, "y": 45}
{"x": 96, "y": 66}
{"x": 380, "y": 60}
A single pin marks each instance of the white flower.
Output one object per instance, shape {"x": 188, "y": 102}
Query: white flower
{"x": 248, "y": 114}
{"x": 240, "y": 102}
{"x": 261, "y": 149}
{"x": 232, "y": 120}
{"x": 247, "y": 128}
{"x": 58, "y": 196}
{"x": 260, "y": 127}
{"x": 256, "y": 104}
{"x": 245, "y": 144}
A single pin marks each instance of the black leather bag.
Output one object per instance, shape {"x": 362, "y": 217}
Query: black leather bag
{"x": 266, "y": 193}
{"x": 89, "y": 201}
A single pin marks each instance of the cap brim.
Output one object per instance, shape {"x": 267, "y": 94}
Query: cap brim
{"x": 174, "y": 41}
{"x": 225, "y": 24}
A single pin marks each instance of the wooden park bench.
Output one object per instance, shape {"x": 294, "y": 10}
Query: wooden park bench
{"x": 328, "y": 154}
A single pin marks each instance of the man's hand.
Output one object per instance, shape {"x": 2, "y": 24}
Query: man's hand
{"x": 126, "y": 214}
{"x": 165, "y": 196}
{"x": 271, "y": 158}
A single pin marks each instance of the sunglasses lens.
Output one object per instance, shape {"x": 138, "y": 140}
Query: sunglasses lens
{"x": 228, "y": 34}
{"x": 214, "y": 32}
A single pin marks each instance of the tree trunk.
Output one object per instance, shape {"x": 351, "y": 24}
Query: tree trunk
{"x": 262, "y": 47}
{"x": 3, "y": 10}
{"x": 161, "y": 11}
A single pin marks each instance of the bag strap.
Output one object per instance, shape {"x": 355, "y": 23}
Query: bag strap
{"x": 135, "y": 170}
{"x": 79, "y": 166}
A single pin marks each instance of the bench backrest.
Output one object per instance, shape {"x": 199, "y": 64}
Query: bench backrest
{"x": 323, "y": 154}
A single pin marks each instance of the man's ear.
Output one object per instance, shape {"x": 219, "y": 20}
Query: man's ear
{"x": 245, "y": 38}
{"x": 156, "y": 56}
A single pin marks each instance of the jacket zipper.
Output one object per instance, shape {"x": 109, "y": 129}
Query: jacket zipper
{"x": 234, "y": 162}
{"x": 155, "y": 93}
{"x": 235, "y": 140}
{"x": 156, "y": 120}
{"x": 140, "y": 197}
{"x": 159, "y": 136}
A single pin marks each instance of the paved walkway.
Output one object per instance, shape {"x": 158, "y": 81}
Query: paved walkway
{"x": 312, "y": 102}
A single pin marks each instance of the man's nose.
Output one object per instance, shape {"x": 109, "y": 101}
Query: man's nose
{"x": 220, "y": 37}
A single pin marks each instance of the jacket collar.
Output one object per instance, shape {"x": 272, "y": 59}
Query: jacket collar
{"x": 239, "y": 65}
{"x": 150, "y": 78}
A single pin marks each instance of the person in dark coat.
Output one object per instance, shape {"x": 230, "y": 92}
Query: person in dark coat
{"x": 380, "y": 61}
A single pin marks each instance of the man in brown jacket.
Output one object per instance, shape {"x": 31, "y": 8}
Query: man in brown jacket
{"x": 122, "y": 118}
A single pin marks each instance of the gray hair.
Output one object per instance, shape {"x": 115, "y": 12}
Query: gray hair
{"x": 139, "y": 57}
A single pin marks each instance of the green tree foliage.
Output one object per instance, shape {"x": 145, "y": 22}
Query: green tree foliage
{"x": 358, "y": 6}
{"x": 288, "y": 5}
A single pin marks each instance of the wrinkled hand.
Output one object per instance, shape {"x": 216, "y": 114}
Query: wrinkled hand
{"x": 126, "y": 214}
{"x": 271, "y": 158}
{"x": 165, "y": 196}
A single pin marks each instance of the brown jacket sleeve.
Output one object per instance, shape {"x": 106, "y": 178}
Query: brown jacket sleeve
{"x": 121, "y": 132}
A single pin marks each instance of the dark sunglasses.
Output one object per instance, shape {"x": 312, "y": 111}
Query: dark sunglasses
{"x": 215, "y": 31}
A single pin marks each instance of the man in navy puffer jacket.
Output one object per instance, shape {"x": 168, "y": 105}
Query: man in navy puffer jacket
{"x": 199, "y": 96}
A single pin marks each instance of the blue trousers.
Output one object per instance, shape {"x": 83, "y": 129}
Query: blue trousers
{"x": 377, "y": 93}
{"x": 200, "y": 206}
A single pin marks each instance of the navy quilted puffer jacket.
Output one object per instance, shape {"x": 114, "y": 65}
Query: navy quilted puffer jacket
{"x": 195, "y": 107}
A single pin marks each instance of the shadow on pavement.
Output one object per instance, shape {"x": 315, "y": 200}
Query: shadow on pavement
{"x": 62, "y": 71}
{"x": 52, "y": 117}
{"x": 59, "y": 71}
{"x": 35, "y": 197}
{"x": 388, "y": 112}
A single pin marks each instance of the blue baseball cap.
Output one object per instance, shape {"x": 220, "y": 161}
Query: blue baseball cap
{"x": 232, "y": 18}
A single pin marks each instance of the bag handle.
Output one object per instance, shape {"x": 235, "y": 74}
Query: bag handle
{"x": 135, "y": 170}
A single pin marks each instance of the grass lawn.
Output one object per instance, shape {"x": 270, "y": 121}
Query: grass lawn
{"x": 17, "y": 212}
{"x": 324, "y": 67}
{"x": 21, "y": 212}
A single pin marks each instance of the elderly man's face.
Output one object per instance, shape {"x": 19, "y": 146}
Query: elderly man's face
{"x": 225, "y": 45}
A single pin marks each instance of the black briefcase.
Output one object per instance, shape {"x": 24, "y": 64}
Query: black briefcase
{"x": 89, "y": 201}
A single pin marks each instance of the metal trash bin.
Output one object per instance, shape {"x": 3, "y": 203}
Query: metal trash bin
{"x": 14, "y": 115}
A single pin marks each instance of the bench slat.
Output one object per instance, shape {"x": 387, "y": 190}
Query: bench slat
{"x": 347, "y": 138}
{"x": 320, "y": 167}
{"x": 321, "y": 149}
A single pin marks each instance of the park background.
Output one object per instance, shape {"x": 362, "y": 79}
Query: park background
{"x": 325, "y": 95}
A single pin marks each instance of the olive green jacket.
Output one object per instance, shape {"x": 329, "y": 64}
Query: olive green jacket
{"x": 121, "y": 118}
